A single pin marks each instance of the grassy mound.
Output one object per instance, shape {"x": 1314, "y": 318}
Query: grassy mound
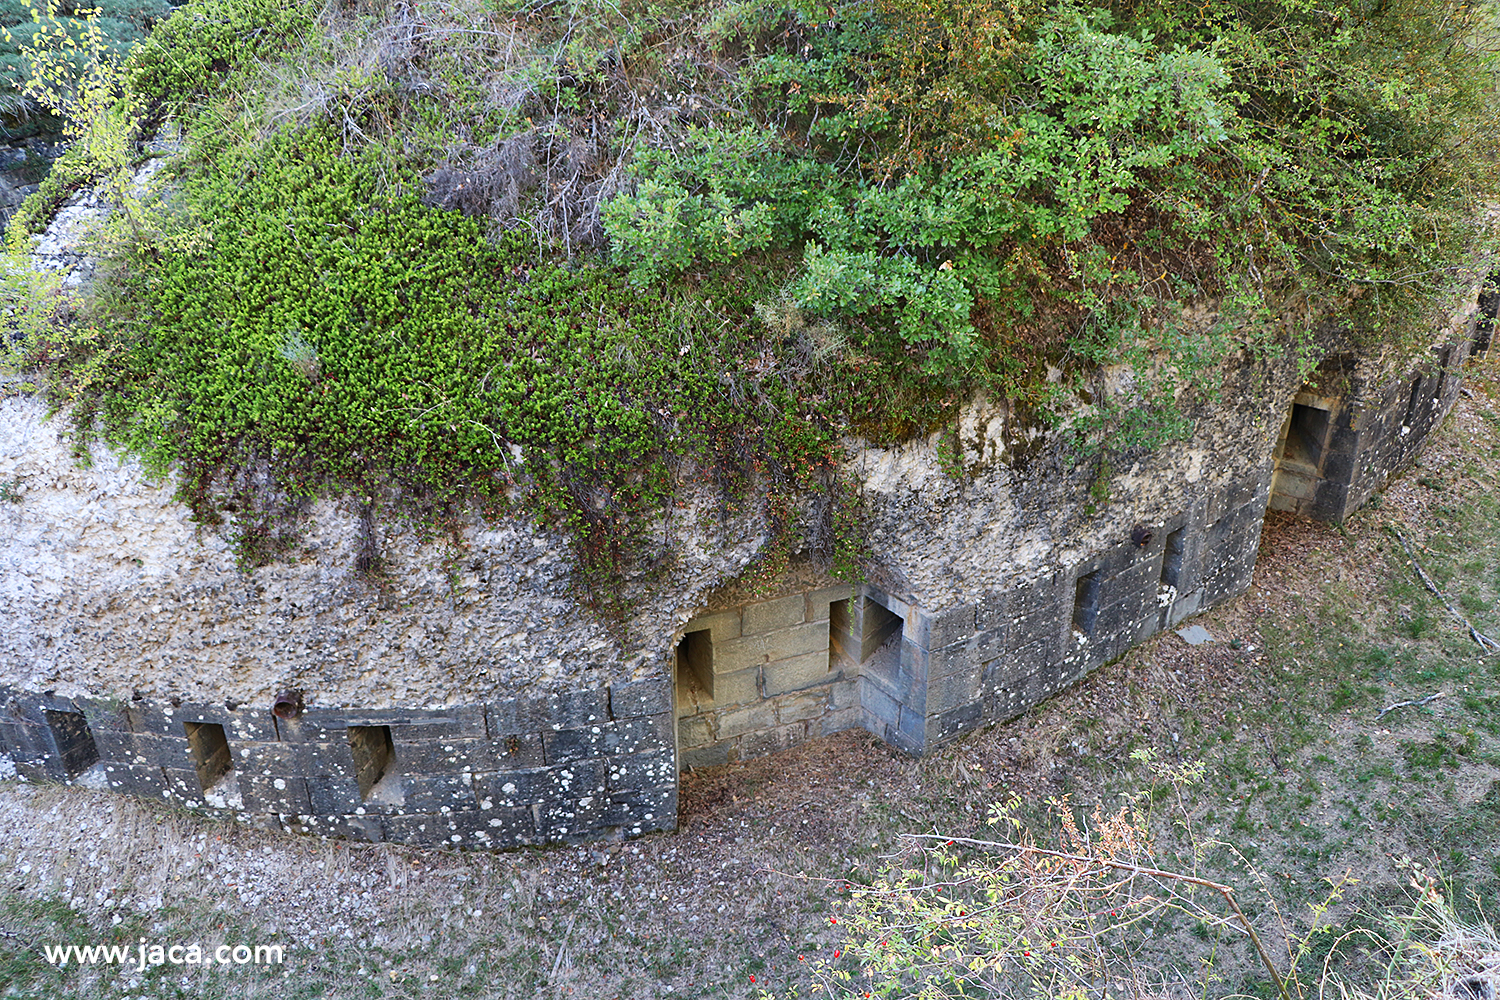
{"x": 565, "y": 256}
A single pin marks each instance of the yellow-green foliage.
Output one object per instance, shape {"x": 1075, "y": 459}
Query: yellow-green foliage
{"x": 355, "y": 340}
{"x": 940, "y": 196}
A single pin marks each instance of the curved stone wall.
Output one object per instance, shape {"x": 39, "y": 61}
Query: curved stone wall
{"x": 582, "y": 766}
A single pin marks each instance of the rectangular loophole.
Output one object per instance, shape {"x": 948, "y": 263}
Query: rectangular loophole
{"x": 1171, "y": 559}
{"x": 71, "y": 732}
{"x": 1086, "y": 602}
{"x": 210, "y": 752}
{"x": 877, "y": 625}
{"x": 1489, "y": 306}
{"x": 840, "y": 634}
{"x": 1306, "y": 435}
{"x": 1412, "y": 401}
{"x": 374, "y": 757}
{"x": 695, "y": 661}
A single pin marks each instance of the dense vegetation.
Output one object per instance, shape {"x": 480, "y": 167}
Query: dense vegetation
{"x": 571, "y": 256}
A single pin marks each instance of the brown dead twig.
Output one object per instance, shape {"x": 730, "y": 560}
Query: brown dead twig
{"x": 1224, "y": 890}
{"x": 1485, "y": 643}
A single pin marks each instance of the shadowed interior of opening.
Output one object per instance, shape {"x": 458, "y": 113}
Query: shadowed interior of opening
{"x": 210, "y": 752}
{"x": 695, "y": 662}
{"x": 374, "y": 754}
{"x": 1171, "y": 559}
{"x": 71, "y": 731}
{"x": 1086, "y": 602}
{"x": 1306, "y": 435}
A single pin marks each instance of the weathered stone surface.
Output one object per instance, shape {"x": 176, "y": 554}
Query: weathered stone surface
{"x": 518, "y": 715}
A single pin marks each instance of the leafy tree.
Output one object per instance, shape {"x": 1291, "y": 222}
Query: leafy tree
{"x": 121, "y": 25}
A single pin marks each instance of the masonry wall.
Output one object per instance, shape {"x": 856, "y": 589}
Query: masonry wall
{"x": 990, "y": 660}
{"x": 765, "y": 677}
{"x": 1336, "y": 451}
{"x": 575, "y": 767}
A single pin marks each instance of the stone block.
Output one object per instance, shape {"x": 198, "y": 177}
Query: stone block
{"x": 135, "y": 779}
{"x": 38, "y": 770}
{"x": 879, "y": 705}
{"x": 644, "y": 811}
{"x": 753, "y": 650}
{"x": 571, "y": 822}
{"x": 432, "y": 793}
{"x": 769, "y": 741}
{"x": 112, "y": 745}
{"x": 739, "y": 688}
{"x": 1141, "y": 629}
{"x": 1035, "y": 596}
{"x": 370, "y": 829}
{"x": 708, "y": 756}
{"x": 444, "y": 756}
{"x": 911, "y": 734}
{"x": 952, "y": 690}
{"x": 1187, "y": 604}
{"x": 721, "y": 626}
{"x": 491, "y": 829}
{"x": 944, "y": 628}
{"x": 305, "y": 759}
{"x": 157, "y": 720}
{"x": 838, "y": 721}
{"x": 1039, "y": 653}
{"x": 738, "y": 721}
{"x": 1035, "y": 627}
{"x": 519, "y": 750}
{"x": 794, "y": 674}
{"x": 533, "y": 785}
{"x": 641, "y": 770}
{"x": 651, "y": 696}
{"x": 429, "y": 830}
{"x": 319, "y": 726}
{"x": 281, "y": 795}
{"x": 954, "y": 722}
{"x": 184, "y": 788}
{"x": 641, "y": 735}
{"x": 802, "y": 705}
{"x": 771, "y": 616}
{"x": 26, "y": 742}
{"x": 1044, "y": 684}
{"x": 843, "y": 694}
{"x": 694, "y": 731}
{"x": 164, "y": 751}
{"x": 575, "y": 709}
{"x": 818, "y": 601}
{"x": 566, "y": 710}
{"x": 953, "y": 659}
{"x": 1003, "y": 673}
{"x": 332, "y": 795}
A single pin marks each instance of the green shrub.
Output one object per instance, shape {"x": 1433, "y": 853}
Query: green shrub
{"x": 355, "y": 340}
{"x": 193, "y": 52}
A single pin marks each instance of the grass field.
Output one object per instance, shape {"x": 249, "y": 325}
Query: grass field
{"x": 1305, "y": 777}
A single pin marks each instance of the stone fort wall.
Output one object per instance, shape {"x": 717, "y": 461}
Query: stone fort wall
{"x": 992, "y": 592}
